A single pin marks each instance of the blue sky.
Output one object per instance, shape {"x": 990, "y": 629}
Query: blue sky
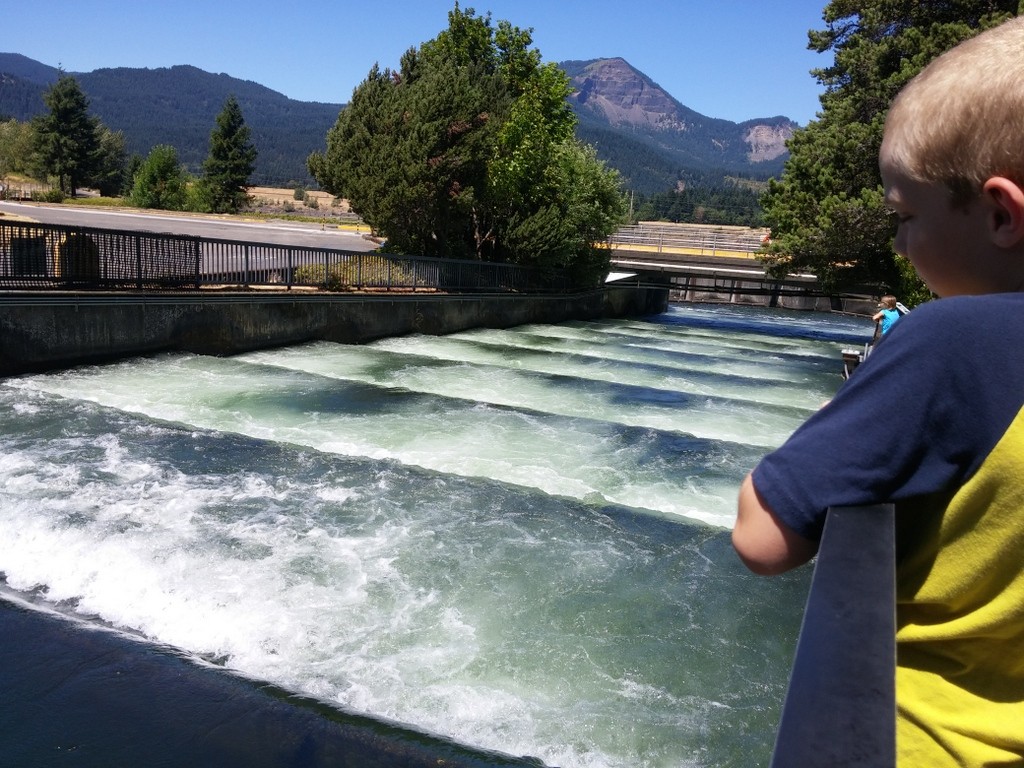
{"x": 731, "y": 59}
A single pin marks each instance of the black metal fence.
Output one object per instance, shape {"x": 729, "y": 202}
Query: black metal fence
{"x": 57, "y": 257}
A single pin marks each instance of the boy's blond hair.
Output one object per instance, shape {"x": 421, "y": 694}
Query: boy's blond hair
{"x": 961, "y": 120}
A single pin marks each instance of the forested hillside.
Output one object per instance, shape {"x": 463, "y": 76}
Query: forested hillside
{"x": 658, "y": 145}
{"x": 177, "y": 106}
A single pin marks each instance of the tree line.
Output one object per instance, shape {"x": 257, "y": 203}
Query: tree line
{"x": 68, "y": 144}
{"x": 723, "y": 200}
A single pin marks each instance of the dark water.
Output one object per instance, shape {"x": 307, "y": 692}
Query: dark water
{"x": 515, "y": 539}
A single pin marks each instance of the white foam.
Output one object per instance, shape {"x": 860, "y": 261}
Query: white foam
{"x": 451, "y": 599}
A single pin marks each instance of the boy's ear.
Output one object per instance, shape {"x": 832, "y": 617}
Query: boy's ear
{"x": 1006, "y": 214}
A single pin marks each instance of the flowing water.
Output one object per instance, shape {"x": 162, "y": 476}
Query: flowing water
{"x": 517, "y": 539}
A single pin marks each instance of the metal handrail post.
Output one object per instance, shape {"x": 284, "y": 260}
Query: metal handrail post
{"x": 138, "y": 262}
{"x": 840, "y": 709}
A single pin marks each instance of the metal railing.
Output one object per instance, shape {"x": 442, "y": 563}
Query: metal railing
{"x": 56, "y": 257}
{"x": 840, "y": 709}
{"x": 692, "y": 239}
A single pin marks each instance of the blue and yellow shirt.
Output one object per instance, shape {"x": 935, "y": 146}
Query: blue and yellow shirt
{"x": 933, "y": 422}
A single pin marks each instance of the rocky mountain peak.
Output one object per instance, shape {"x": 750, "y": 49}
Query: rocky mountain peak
{"x": 625, "y": 96}
{"x": 611, "y": 92}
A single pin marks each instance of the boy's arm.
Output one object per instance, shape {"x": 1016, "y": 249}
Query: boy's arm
{"x": 765, "y": 544}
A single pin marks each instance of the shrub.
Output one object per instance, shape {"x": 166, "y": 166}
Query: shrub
{"x": 348, "y": 274}
{"x": 199, "y": 197}
{"x": 55, "y": 195}
{"x": 311, "y": 274}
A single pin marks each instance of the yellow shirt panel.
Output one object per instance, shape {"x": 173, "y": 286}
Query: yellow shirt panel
{"x": 960, "y": 622}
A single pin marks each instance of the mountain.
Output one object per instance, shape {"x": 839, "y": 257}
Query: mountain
{"x": 655, "y": 142}
{"x": 628, "y": 116}
{"x": 178, "y": 106}
{"x": 22, "y": 82}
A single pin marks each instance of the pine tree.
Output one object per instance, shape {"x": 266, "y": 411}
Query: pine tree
{"x": 67, "y": 137}
{"x": 231, "y": 161}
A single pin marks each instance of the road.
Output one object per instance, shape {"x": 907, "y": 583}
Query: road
{"x": 277, "y": 232}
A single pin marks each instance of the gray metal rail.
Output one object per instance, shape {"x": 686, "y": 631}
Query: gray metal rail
{"x": 840, "y": 709}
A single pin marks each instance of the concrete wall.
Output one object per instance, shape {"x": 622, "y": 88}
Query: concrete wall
{"x": 48, "y": 331}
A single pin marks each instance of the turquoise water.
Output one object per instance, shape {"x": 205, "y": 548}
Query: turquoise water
{"x": 516, "y": 539}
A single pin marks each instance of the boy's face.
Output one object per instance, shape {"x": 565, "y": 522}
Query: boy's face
{"x": 944, "y": 243}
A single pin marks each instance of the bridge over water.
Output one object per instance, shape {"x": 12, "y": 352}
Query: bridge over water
{"x": 711, "y": 263}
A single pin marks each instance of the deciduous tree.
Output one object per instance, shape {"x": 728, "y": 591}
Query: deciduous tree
{"x": 160, "y": 182}
{"x": 110, "y": 174}
{"x": 17, "y": 142}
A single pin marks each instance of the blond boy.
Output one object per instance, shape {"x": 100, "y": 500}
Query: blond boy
{"x": 933, "y": 419}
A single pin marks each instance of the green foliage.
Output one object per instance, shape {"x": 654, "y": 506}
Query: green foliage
{"x": 160, "y": 182}
{"x": 67, "y": 140}
{"x": 300, "y": 193}
{"x": 349, "y": 275}
{"x": 17, "y": 141}
{"x": 736, "y": 202}
{"x": 826, "y": 212}
{"x": 134, "y": 164}
{"x": 198, "y": 197}
{"x": 55, "y": 195}
{"x": 110, "y": 174}
{"x": 468, "y": 152}
{"x": 98, "y": 202}
{"x": 231, "y": 161}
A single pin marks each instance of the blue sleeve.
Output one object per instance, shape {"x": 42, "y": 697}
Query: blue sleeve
{"x": 918, "y": 417}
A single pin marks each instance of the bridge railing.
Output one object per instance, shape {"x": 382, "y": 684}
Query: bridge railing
{"x": 59, "y": 257}
{"x": 840, "y": 709}
{"x": 703, "y": 240}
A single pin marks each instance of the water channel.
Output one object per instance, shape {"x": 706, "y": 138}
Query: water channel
{"x": 517, "y": 539}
